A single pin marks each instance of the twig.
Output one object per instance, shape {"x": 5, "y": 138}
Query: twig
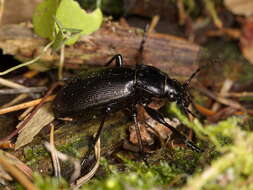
{"x": 222, "y": 100}
{"x": 1, "y": 10}
{"x": 181, "y": 12}
{"x": 19, "y": 164}
{"x": 223, "y": 113}
{"x": 30, "y": 74}
{"x": 225, "y": 88}
{"x": 23, "y": 90}
{"x": 230, "y": 32}
{"x": 17, "y": 174}
{"x": 238, "y": 94}
{"x": 153, "y": 24}
{"x": 25, "y": 113}
{"x": 204, "y": 110}
{"x": 25, "y": 105}
{"x": 7, "y": 145}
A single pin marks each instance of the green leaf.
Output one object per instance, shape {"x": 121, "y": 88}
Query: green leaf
{"x": 43, "y": 18}
{"x": 71, "y": 15}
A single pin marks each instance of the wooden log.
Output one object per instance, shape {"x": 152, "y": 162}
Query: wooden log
{"x": 171, "y": 54}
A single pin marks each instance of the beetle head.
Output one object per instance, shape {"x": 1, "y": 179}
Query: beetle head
{"x": 179, "y": 93}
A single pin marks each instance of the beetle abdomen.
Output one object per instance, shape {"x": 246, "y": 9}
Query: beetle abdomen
{"x": 94, "y": 92}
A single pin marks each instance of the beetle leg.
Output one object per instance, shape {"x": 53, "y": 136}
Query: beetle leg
{"x": 159, "y": 117}
{"x": 119, "y": 61}
{"x": 94, "y": 141}
{"x": 137, "y": 129}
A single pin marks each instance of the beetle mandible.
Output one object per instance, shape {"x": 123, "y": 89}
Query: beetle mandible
{"x": 113, "y": 89}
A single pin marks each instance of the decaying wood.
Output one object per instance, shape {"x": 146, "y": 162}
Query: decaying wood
{"x": 171, "y": 54}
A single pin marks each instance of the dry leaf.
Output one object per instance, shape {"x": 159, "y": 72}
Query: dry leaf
{"x": 246, "y": 40}
{"x": 43, "y": 117}
{"x": 240, "y": 7}
{"x": 157, "y": 128}
{"x": 248, "y": 53}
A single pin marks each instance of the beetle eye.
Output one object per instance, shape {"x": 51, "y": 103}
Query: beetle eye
{"x": 172, "y": 96}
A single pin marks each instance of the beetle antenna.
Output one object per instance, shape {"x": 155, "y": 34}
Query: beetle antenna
{"x": 144, "y": 38}
{"x": 140, "y": 55}
{"x": 187, "y": 111}
{"x": 187, "y": 82}
{"x": 190, "y": 112}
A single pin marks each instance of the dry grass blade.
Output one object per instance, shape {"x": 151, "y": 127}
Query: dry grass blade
{"x": 19, "y": 164}
{"x": 64, "y": 157}
{"x": 16, "y": 173}
{"x": 55, "y": 159}
{"x": 4, "y": 176}
{"x": 10, "y": 84}
{"x": 89, "y": 175}
{"x": 16, "y": 100}
{"x": 23, "y": 90}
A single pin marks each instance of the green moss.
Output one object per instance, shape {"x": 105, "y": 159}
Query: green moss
{"x": 226, "y": 163}
{"x": 71, "y": 148}
{"x": 136, "y": 175}
{"x": 35, "y": 153}
{"x": 47, "y": 183}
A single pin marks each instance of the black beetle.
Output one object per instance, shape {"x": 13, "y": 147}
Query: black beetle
{"x": 120, "y": 87}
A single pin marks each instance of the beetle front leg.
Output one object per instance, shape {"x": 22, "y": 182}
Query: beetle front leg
{"x": 94, "y": 141}
{"x": 159, "y": 117}
{"x": 119, "y": 60}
